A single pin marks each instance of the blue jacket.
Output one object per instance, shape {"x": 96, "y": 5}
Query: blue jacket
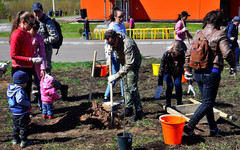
{"x": 18, "y": 100}
{"x": 232, "y": 31}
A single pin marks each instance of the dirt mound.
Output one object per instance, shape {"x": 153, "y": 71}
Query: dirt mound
{"x": 98, "y": 117}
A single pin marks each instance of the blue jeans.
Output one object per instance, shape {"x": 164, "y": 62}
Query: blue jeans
{"x": 208, "y": 84}
{"x": 86, "y": 34}
{"x": 47, "y": 109}
{"x": 115, "y": 69}
{"x": 178, "y": 87}
{"x": 237, "y": 52}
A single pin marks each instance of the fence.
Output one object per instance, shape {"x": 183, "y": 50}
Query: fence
{"x": 147, "y": 33}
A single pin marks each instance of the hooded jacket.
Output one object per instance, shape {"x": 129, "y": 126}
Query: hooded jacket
{"x": 48, "y": 92}
{"x": 18, "y": 100}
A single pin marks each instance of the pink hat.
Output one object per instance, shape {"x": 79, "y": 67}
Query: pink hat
{"x": 48, "y": 79}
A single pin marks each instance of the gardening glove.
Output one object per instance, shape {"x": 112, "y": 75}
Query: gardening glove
{"x": 159, "y": 92}
{"x": 232, "y": 38}
{"x": 191, "y": 88}
{"x": 3, "y": 68}
{"x": 188, "y": 75}
{"x": 184, "y": 29}
{"x": 37, "y": 60}
{"x": 111, "y": 78}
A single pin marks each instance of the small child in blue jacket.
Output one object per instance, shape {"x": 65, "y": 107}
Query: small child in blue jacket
{"x": 19, "y": 104}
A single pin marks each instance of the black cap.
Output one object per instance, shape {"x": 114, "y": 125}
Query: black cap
{"x": 37, "y": 6}
{"x": 184, "y": 13}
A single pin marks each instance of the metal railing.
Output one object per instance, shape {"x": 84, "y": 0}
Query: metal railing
{"x": 146, "y": 33}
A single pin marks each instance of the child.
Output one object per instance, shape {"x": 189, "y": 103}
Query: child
{"x": 171, "y": 68}
{"x": 19, "y": 104}
{"x": 48, "y": 95}
{"x": 39, "y": 51}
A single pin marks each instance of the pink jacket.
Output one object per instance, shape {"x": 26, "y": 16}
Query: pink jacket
{"x": 48, "y": 92}
{"x": 39, "y": 50}
{"x": 180, "y": 35}
{"x": 131, "y": 24}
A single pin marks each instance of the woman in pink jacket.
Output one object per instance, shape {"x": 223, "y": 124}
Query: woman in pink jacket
{"x": 48, "y": 95}
{"x": 181, "y": 29}
{"x": 39, "y": 51}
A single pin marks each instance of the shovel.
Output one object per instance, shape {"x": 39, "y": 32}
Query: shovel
{"x": 111, "y": 88}
{"x": 92, "y": 75}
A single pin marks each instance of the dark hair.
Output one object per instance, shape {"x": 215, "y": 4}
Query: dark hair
{"x": 180, "y": 18}
{"x": 22, "y": 15}
{"x": 36, "y": 25}
{"x": 114, "y": 13}
{"x": 111, "y": 34}
{"x": 213, "y": 17}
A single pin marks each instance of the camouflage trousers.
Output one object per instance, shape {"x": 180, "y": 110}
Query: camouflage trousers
{"x": 131, "y": 93}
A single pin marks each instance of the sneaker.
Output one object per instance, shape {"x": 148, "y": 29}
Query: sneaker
{"x": 44, "y": 116}
{"x": 128, "y": 112}
{"x": 188, "y": 130}
{"x": 25, "y": 143}
{"x": 215, "y": 132}
{"x": 64, "y": 91}
{"x": 51, "y": 117}
{"x": 15, "y": 141}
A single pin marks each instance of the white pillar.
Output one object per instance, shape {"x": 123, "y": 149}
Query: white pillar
{"x": 53, "y": 1}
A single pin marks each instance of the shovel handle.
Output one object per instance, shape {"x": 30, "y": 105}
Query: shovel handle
{"x": 92, "y": 75}
{"x": 185, "y": 31}
{"x": 111, "y": 87}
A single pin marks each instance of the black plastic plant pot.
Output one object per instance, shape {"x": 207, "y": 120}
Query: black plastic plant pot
{"x": 124, "y": 142}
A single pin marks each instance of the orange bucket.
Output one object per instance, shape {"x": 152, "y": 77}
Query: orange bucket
{"x": 184, "y": 79}
{"x": 172, "y": 126}
{"x": 103, "y": 70}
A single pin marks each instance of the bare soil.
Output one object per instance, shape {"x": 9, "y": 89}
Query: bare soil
{"x": 80, "y": 124}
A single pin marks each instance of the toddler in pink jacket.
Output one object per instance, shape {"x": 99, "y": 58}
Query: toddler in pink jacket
{"x": 48, "y": 95}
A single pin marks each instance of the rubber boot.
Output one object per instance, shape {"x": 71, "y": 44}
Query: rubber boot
{"x": 138, "y": 116}
{"x": 128, "y": 112}
{"x": 64, "y": 91}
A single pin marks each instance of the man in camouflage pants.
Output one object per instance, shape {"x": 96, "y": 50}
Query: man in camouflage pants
{"x": 128, "y": 55}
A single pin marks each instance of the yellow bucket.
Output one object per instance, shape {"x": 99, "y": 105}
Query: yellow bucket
{"x": 155, "y": 69}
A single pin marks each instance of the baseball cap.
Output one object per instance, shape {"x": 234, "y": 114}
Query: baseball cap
{"x": 37, "y": 6}
{"x": 184, "y": 13}
{"x": 236, "y": 19}
{"x": 20, "y": 77}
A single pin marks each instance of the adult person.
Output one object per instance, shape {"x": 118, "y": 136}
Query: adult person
{"x": 128, "y": 55}
{"x": 21, "y": 49}
{"x": 50, "y": 34}
{"x": 131, "y": 24}
{"x": 208, "y": 79}
{"x": 116, "y": 24}
{"x": 232, "y": 34}
{"x": 181, "y": 29}
{"x": 86, "y": 28}
{"x": 171, "y": 68}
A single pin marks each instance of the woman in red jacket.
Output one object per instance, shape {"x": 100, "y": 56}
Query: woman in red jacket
{"x": 21, "y": 49}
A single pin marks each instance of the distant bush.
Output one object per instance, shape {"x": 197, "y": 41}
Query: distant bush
{"x": 81, "y": 30}
{"x": 9, "y": 17}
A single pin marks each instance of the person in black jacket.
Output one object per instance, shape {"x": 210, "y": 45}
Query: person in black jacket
{"x": 171, "y": 68}
{"x": 86, "y": 28}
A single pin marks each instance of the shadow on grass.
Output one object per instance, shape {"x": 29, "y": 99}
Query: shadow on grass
{"x": 189, "y": 140}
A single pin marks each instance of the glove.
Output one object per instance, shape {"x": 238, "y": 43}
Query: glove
{"x": 37, "y": 60}
{"x": 159, "y": 92}
{"x": 232, "y": 38}
{"x": 111, "y": 78}
{"x": 191, "y": 88}
{"x": 184, "y": 29}
{"x": 188, "y": 75}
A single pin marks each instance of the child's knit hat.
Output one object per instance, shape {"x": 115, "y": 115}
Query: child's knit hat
{"x": 20, "y": 77}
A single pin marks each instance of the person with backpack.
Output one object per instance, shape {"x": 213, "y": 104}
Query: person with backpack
{"x": 171, "y": 68}
{"x": 212, "y": 43}
{"x": 51, "y": 36}
{"x": 232, "y": 34}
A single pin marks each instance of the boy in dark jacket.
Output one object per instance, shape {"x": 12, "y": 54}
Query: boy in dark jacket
{"x": 19, "y": 104}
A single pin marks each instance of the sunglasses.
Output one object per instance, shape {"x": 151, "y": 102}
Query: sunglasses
{"x": 30, "y": 24}
{"x": 122, "y": 16}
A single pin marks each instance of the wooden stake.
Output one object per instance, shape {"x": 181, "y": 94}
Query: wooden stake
{"x": 92, "y": 75}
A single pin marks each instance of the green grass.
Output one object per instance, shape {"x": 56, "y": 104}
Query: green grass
{"x": 4, "y": 34}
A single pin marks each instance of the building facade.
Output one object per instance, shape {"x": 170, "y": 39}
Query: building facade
{"x": 160, "y": 10}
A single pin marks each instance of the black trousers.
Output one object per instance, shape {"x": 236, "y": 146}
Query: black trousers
{"x": 20, "y": 126}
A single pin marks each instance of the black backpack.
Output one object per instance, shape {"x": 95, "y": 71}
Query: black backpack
{"x": 57, "y": 44}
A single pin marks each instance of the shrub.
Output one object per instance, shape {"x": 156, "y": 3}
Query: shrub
{"x": 9, "y": 17}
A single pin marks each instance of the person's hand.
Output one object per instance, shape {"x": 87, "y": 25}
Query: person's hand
{"x": 184, "y": 29}
{"x": 37, "y": 60}
{"x": 188, "y": 75}
{"x": 111, "y": 78}
{"x": 232, "y": 38}
{"x": 159, "y": 92}
{"x": 191, "y": 88}
{"x": 42, "y": 73}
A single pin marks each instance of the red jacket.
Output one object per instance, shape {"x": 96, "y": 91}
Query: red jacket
{"x": 21, "y": 49}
